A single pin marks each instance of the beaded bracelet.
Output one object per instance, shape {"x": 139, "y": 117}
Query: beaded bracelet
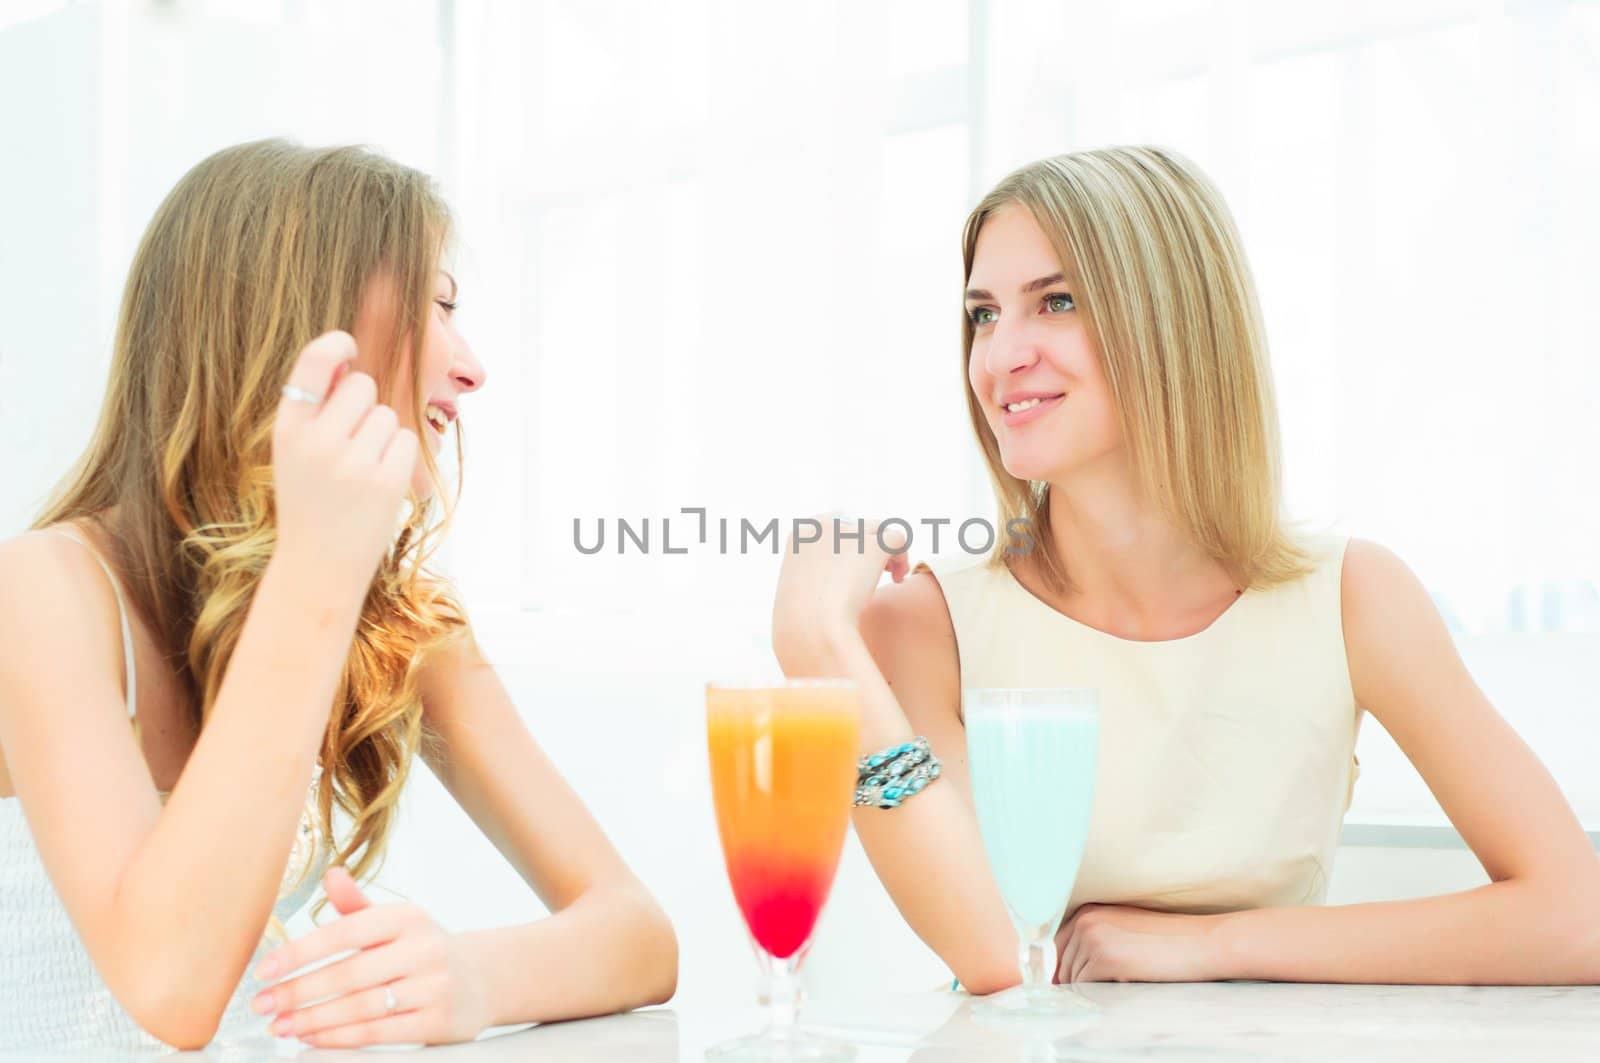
{"x": 890, "y": 776}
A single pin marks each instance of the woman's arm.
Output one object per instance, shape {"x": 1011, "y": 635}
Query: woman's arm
{"x": 606, "y": 947}
{"x": 1538, "y": 920}
{"x": 171, "y": 902}
{"x": 900, "y": 649}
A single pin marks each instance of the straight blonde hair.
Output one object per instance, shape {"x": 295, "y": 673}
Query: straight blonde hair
{"x": 1165, "y": 290}
{"x": 260, "y": 248}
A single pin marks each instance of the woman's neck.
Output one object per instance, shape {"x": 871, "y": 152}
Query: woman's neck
{"x": 1129, "y": 567}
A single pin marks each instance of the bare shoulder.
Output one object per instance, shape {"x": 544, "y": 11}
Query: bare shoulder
{"x": 460, "y": 688}
{"x": 1376, "y": 587}
{"x": 1369, "y": 565}
{"x": 69, "y": 600}
{"x": 456, "y": 656}
{"x": 61, "y": 656}
{"x": 1395, "y": 638}
{"x": 65, "y": 573}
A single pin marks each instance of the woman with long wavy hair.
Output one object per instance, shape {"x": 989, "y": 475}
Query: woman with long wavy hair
{"x": 1117, "y": 384}
{"x": 238, "y": 568}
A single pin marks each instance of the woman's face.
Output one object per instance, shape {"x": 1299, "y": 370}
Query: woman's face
{"x": 1035, "y": 367}
{"x": 449, "y": 369}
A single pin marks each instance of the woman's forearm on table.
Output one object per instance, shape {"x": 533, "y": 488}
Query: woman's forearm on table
{"x": 1513, "y": 932}
{"x": 611, "y": 950}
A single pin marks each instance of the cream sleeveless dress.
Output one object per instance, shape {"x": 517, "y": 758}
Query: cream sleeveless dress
{"x": 1226, "y": 759}
{"x": 51, "y": 996}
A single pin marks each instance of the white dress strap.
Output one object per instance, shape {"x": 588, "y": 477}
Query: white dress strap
{"x": 122, "y": 615}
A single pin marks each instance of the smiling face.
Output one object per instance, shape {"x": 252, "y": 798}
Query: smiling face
{"x": 448, "y": 367}
{"x": 1035, "y": 369}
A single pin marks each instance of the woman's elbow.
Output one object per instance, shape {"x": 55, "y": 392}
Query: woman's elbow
{"x": 989, "y": 971}
{"x": 1560, "y": 918}
{"x": 664, "y": 952}
{"x": 793, "y": 650}
{"x": 176, "y": 1019}
{"x": 1583, "y": 925}
{"x": 989, "y": 979}
{"x": 654, "y": 943}
{"x": 172, "y": 1001}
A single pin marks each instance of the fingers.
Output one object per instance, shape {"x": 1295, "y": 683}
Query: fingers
{"x": 898, "y": 567}
{"x": 1072, "y": 952}
{"x": 1073, "y": 959}
{"x": 343, "y": 892}
{"x": 410, "y": 1028}
{"x": 350, "y": 406}
{"x": 1083, "y": 966}
{"x": 857, "y": 535}
{"x": 360, "y": 930}
{"x": 1063, "y": 942}
{"x": 315, "y": 372}
{"x": 349, "y": 977}
{"x": 372, "y": 435}
{"x": 892, "y": 537}
{"x": 364, "y": 1007}
{"x": 1068, "y": 949}
{"x": 346, "y": 408}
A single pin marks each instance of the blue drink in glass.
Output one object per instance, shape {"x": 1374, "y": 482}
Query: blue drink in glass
{"x": 1032, "y": 756}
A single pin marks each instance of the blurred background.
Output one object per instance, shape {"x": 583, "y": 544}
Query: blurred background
{"x": 709, "y": 255}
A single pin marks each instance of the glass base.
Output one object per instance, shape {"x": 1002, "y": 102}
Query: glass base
{"x": 782, "y": 1046}
{"x": 1051, "y": 1005}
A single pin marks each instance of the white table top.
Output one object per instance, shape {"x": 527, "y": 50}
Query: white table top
{"x": 1191, "y": 1022}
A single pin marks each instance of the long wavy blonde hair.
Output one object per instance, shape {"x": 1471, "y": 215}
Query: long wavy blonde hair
{"x": 260, "y": 248}
{"x": 1165, "y": 290}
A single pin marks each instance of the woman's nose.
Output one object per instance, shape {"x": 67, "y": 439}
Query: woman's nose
{"x": 1010, "y": 353}
{"x": 467, "y": 372}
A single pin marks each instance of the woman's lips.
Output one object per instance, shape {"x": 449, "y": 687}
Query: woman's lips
{"x": 435, "y": 437}
{"x": 1032, "y": 413}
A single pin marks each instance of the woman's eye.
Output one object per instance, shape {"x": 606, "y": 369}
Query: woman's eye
{"x": 1059, "y": 303}
{"x": 982, "y": 315}
{"x": 449, "y": 306}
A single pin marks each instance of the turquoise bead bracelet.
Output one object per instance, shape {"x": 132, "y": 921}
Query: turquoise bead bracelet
{"x": 891, "y": 776}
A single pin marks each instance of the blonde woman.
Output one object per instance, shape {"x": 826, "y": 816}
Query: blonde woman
{"x": 237, "y": 569}
{"x": 1117, "y": 382}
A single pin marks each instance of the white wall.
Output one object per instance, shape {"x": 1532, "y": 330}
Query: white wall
{"x": 53, "y": 342}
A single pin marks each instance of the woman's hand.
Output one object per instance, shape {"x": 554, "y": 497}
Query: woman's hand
{"x": 825, "y": 584}
{"x": 403, "y": 957}
{"x": 1118, "y": 943}
{"x": 340, "y": 467}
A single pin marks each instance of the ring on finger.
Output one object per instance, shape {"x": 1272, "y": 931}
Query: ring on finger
{"x": 301, "y": 395}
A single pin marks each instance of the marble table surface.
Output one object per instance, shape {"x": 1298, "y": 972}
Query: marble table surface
{"x": 1231, "y": 1021}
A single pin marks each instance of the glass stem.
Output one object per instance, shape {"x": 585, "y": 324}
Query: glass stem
{"x": 780, "y": 992}
{"x": 1037, "y": 957}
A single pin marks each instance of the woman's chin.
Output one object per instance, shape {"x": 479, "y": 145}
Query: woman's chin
{"x": 1059, "y": 466}
{"x": 1027, "y": 467}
